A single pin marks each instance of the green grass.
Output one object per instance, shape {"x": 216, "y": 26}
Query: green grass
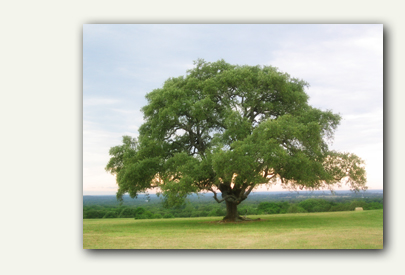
{"x": 329, "y": 230}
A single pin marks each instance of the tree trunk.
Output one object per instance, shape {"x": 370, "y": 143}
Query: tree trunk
{"x": 232, "y": 212}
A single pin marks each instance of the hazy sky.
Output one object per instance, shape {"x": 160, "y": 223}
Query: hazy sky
{"x": 121, "y": 63}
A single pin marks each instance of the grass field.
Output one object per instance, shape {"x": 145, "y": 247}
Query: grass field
{"x": 329, "y": 230}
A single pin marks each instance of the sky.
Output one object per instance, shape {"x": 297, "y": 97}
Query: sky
{"x": 343, "y": 64}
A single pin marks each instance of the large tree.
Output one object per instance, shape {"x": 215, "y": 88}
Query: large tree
{"x": 227, "y": 129}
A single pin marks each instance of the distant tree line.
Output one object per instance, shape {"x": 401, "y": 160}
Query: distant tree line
{"x": 156, "y": 211}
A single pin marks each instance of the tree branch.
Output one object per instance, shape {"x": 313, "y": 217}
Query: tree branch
{"x": 228, "y": 198}
{"x": 248, "y": 191}
{"x": 215, "y": 196}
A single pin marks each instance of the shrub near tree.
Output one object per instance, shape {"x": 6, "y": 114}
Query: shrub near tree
{"x": 216, "y": 212}
{"x": 296, "y": 209}
{"x": 268, "y": 208}
{"x": 94, "y": 214}
{"x": 110, "y": 215}
{"x": 373, "y": 206}
{"x": 227, "y": 129}
{"x": 315, "y": 205}
{"x": 340, "y": 207}
{"x": 126, "y": 213}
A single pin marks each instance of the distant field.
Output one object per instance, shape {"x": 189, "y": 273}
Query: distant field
{"x": 329, "y": 230}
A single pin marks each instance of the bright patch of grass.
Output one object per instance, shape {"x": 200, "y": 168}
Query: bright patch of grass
{"x": 329, "y": 230}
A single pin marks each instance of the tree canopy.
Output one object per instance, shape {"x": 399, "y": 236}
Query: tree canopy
{"x": 227, "y": 129}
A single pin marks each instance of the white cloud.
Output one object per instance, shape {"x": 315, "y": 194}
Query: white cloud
{"x": 349, "y": 62}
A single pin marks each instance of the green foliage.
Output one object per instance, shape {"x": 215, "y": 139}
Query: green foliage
{"x": 268, "y": 208}
{"x": 315, "y": 205}
{"x": 168, "y": 216}
{"x": 357, "y": 203}
{"x": 110, "y": 214}
{"x": 296, "y": 209}
{"x": 127, "y": 213}
{"x": 373, "y": 206}
{"x": 230, "y": 128}
{"x": 340, "y": 207}
{"x": 94, "y": 214}
{"x": 157, "y": 216}
{"x": 262, "y": 204}
{"x": 139, "y": 211}
{"x": 216, "y": 212}
{"x": 145, "y": 215}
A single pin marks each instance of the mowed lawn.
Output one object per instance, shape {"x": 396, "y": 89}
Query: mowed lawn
{"x": 330, "y": 230}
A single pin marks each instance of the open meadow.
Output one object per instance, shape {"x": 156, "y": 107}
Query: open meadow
{"x": 327, "y": 230}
